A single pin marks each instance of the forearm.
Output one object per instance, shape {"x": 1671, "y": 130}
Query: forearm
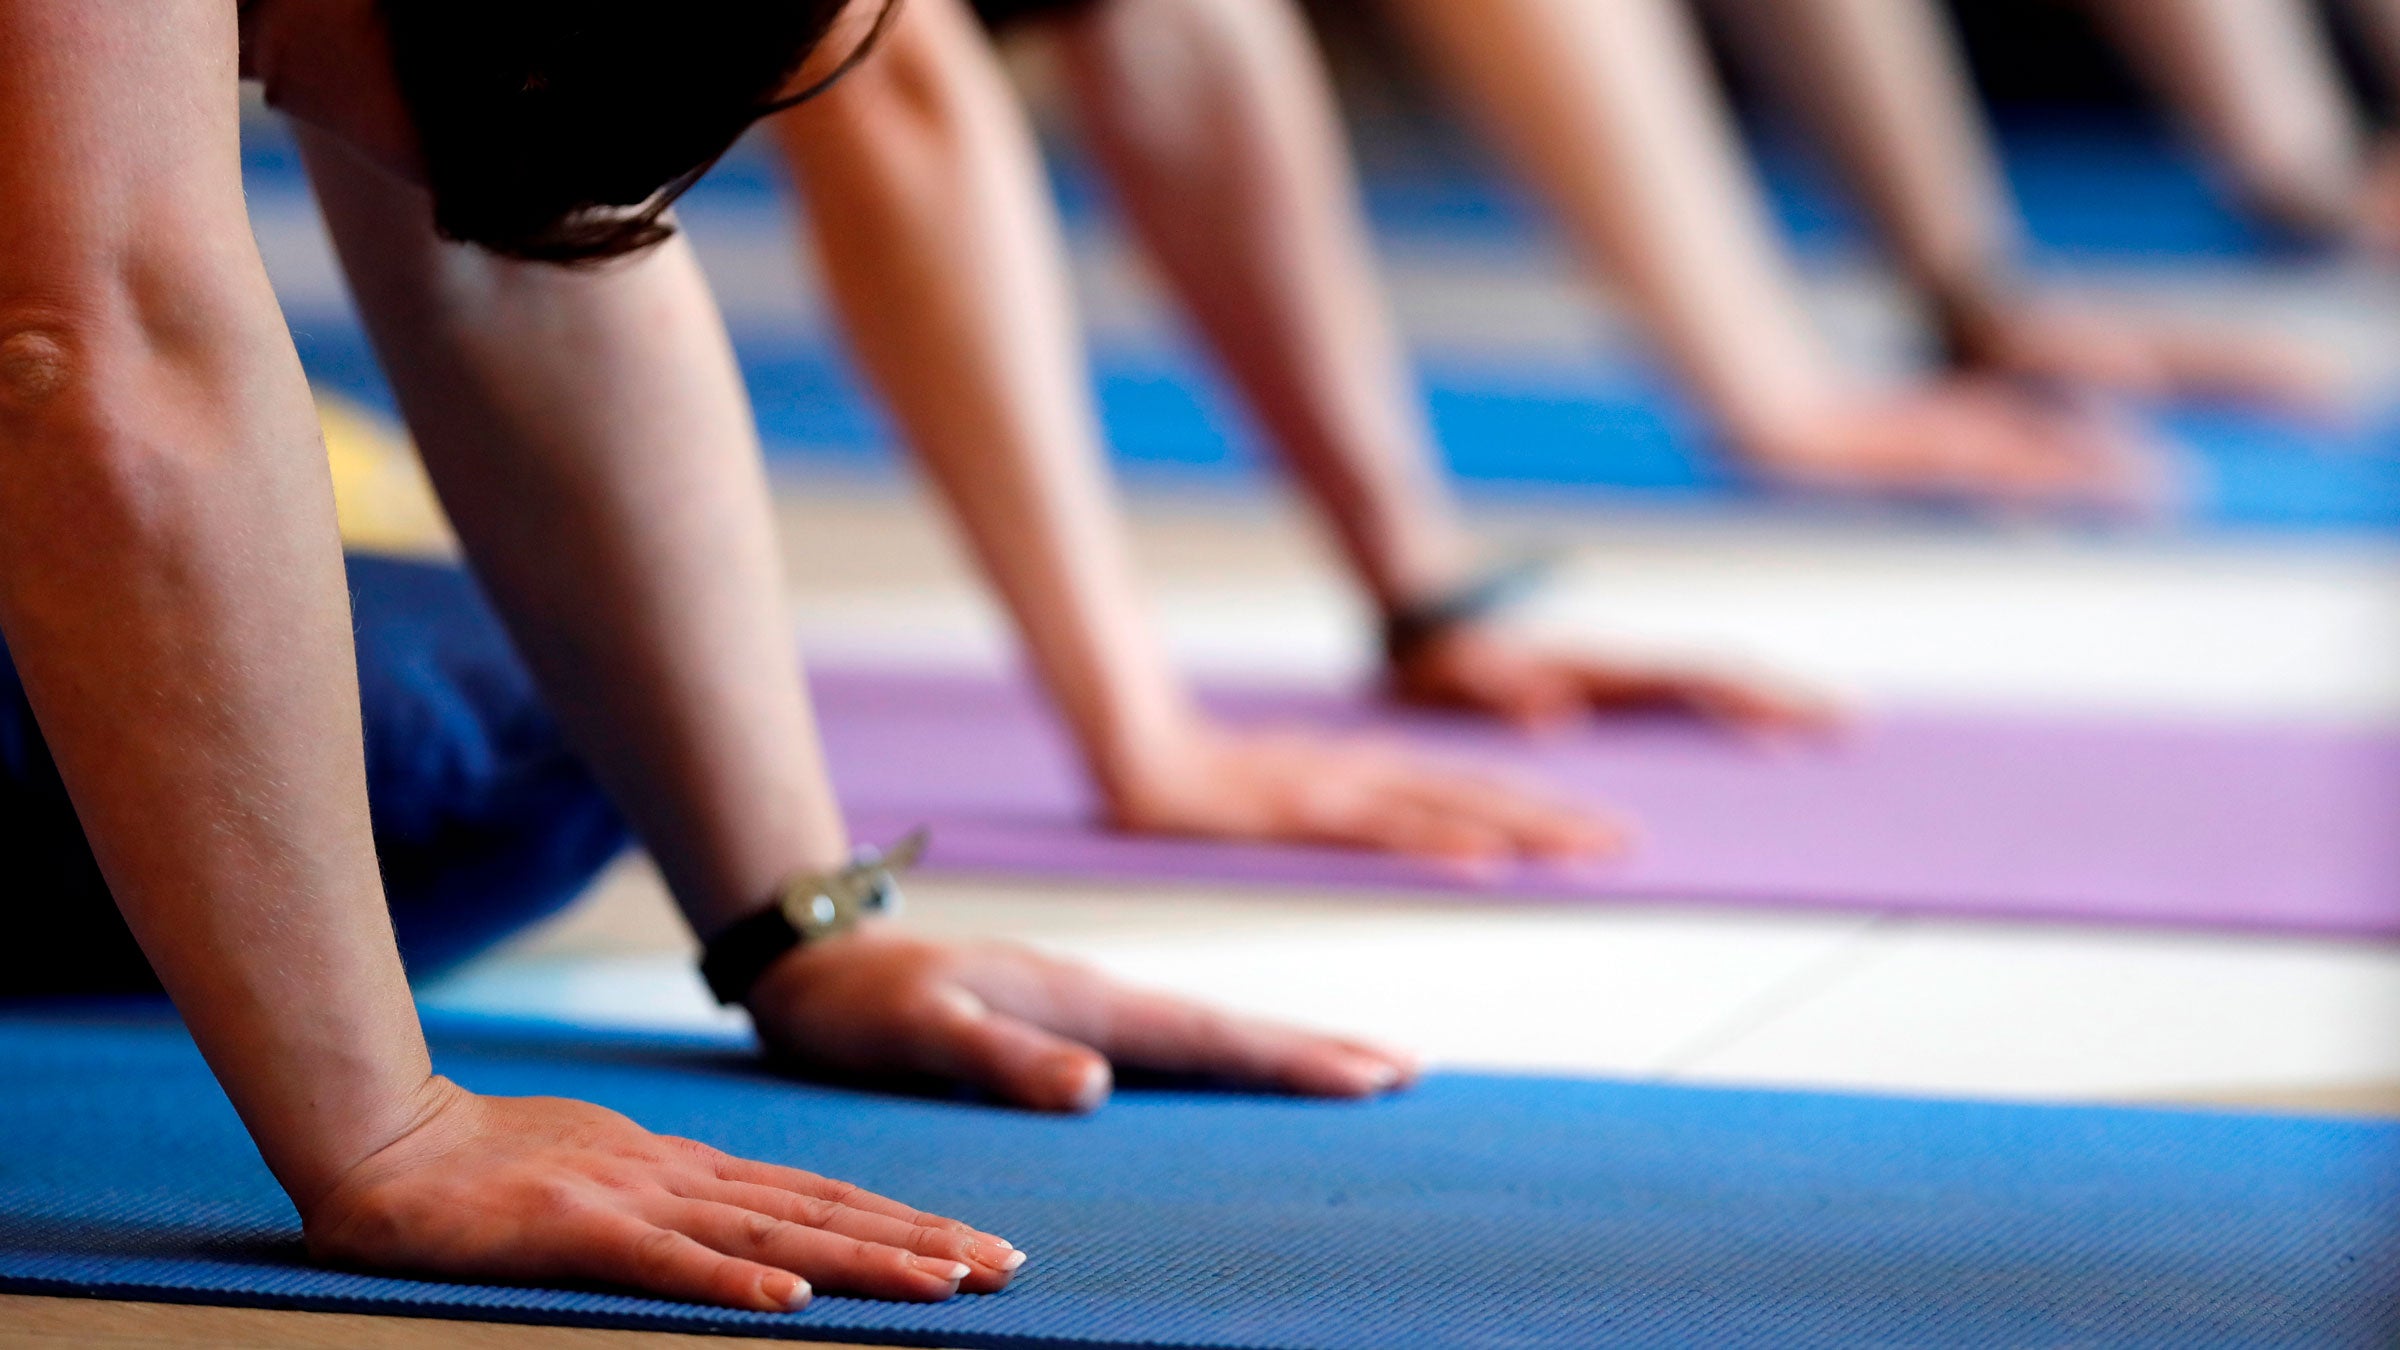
{"x": 1886, "y": 86}
{"x": 590, "y": 437}
{"x": 1214, "y": 120}
{"x": 2259, "y": 82}
{"x": 930, "y": 215}
{"x": 2379, "y": 22}
{"x": 171, "y": 586}
{"x": 1606, "y": 108}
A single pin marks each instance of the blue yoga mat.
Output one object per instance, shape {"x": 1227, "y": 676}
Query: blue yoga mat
{"x": 1618, "y": 434}
{"x": 1477, "y": 1211}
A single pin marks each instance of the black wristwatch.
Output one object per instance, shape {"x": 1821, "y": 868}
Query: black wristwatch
{"x": 1407, "y": 631}
{"x": 808, "y": 908}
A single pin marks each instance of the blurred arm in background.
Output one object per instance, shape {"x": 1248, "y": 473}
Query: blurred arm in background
{"x": 932, "y": 218}
{"x": 1608, "y": 111}
{"x": 2379, "y": 211}
{"x": 1885, "y": 83}
{"x": 2260, "y": 84}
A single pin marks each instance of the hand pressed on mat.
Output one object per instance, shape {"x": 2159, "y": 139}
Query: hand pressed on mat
{"x": 539, "y": 1188}
{"x": 1477, "y": 668}
{"x": 1967, "y": 441}
{"x": 1300, "y": 787}
{"x": 2102, "y": 347}
{"x": 1032, "y": 1029}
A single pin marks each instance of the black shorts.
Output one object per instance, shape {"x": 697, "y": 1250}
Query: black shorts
{"x": 1001, "y": 13}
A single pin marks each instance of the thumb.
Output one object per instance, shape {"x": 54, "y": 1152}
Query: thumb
{"x": 962, "y": 1038}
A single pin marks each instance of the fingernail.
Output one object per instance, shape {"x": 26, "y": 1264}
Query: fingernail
{"x": 1011, "y": 1260}
{"x": 1086, "y": 1081}
{"x": 953, "y": 1271}
{"x": 1382, "y": 1077}
{"x": 789, "y": 1290}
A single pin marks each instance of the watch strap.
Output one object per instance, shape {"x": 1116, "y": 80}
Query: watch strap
{"x": 808, "y": 908}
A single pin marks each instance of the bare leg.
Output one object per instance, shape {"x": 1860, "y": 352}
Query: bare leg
{"x": 1885, "y": 83}
{"x": 1607, "y": 109}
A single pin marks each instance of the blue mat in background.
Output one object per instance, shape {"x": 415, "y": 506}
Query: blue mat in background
{"x": 2093, "y": 190}
{"x": 1478, "y": 1211}
{"x": 1621, "y": 435}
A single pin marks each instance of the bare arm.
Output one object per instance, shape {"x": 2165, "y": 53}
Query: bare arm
{"x": 932, "y": 219}
{"x": 589, "y": 432}
{"x": 1606, "y": 108}
{"x": 590, "y": 437}
{"x": 2259, "y": 82}
{"x": 1217, "y": 128}
{"x": 1888, "y": 88}
{"x": 2379, "y": 20}
{"x": 1885, "y": 84}
{"x": 170, "y": 584}
{"x": 170, "y": 578}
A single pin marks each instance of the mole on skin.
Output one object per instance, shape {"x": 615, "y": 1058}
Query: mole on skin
{"x": 33, "y": 367}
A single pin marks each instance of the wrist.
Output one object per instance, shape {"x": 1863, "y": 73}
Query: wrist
{"x": 418, "y": 1113}
{"x": 1410, "y": 632}
{"x": 1145, "y": 759}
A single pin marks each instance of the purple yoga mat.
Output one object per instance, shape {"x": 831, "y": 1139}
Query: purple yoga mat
{"x": 2273, "y": 829}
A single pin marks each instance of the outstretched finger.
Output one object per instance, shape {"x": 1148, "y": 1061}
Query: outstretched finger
{"x": 992, "y": 1263}
{"x": 624, "y": 1250}
{"x": 809, "y": 1185}
{"x": 2275, "y": 370}
{"x": 961, "y": 1038}
{"x": 1535, "y": 826}
{"x": 832, "y": 1262}
{"x": 1170, "y": 1035}
{"x": 1744, "y": 705}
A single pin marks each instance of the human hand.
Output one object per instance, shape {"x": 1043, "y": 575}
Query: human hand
{"x": 1967, "y": 442}
{"x": 2096, "y": 346}
{"x": 1029, "y": 1028}
{"x": 1297, "y": 787}
{"x": 539, "y": 1188}
{"x": 1475, "y": 668}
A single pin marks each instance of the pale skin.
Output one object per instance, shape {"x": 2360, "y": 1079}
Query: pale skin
{"x": 943, "y": 254}
{"x": 171, "y": 591}
{"x": 1885, "y": 83}
{"x": 1606, "y": 109}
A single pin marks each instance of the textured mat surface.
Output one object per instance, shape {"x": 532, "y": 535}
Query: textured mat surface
{"x": 2275, "y": 830}
{"x": 1475, "y": 1212}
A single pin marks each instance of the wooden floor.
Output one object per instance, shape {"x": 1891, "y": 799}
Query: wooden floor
{"x": 91, "y": 1324}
